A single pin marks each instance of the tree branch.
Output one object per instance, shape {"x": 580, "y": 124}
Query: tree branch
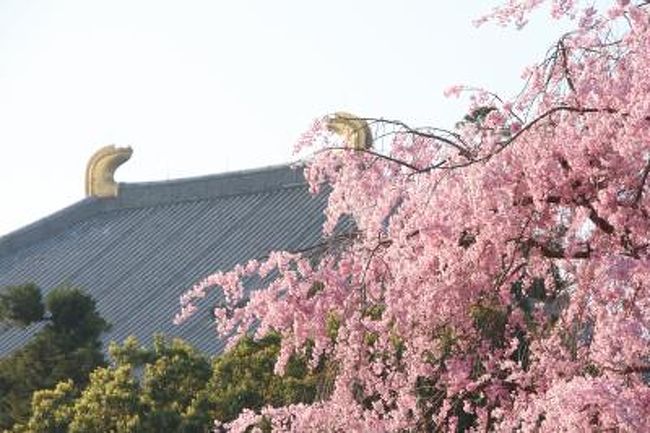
{"x": 459, "y": 145}
{"x": 644, "y": 178}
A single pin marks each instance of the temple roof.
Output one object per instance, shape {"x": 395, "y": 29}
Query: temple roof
{"x": 136, "y": 253}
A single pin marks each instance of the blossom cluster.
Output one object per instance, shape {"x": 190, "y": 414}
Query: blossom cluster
{"x": 497, "y": 276}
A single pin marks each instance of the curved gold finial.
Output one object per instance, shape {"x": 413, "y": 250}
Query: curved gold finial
{"x": 354, "y": 130}
{"x": 101, "y": 168}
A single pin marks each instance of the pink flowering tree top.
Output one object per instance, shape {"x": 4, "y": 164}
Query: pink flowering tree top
{"x": 497, "y": 276}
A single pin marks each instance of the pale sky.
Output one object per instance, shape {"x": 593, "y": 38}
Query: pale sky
{"x": 202, "y": 87}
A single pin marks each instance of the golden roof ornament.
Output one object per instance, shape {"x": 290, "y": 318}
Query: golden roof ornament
{"x": 101, "y": 169}
{"x": 354, "y": 130}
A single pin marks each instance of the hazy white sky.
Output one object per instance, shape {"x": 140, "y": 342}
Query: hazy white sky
{"x": 200, "y": 87}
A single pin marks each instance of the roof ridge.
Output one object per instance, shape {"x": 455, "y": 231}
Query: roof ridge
{"x": 149, "y": 194}
{"x": 209, "y": 186}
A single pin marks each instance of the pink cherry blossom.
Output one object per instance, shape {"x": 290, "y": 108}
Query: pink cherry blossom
{"x": 497, "y": 275}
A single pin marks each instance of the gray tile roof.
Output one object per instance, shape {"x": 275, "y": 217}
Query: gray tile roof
{"x": 136, "y": 253}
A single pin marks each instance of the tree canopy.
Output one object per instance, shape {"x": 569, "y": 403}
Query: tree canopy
{"x": 21, "y": 305}
{"x": 497, "y": 276}
{"x": 172, "y": 387}
{"x": 67, "y": 347}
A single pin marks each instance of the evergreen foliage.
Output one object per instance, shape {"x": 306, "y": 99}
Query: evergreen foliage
{"x": 171, "y": 387}
{"x": 21, "y": 305}
{"x": 66, "y": 348}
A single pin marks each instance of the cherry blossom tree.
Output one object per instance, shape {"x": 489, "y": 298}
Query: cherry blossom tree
{"x": 497, "y": 275}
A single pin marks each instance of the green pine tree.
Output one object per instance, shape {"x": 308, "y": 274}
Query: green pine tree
{"x": 67, "y": 347}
